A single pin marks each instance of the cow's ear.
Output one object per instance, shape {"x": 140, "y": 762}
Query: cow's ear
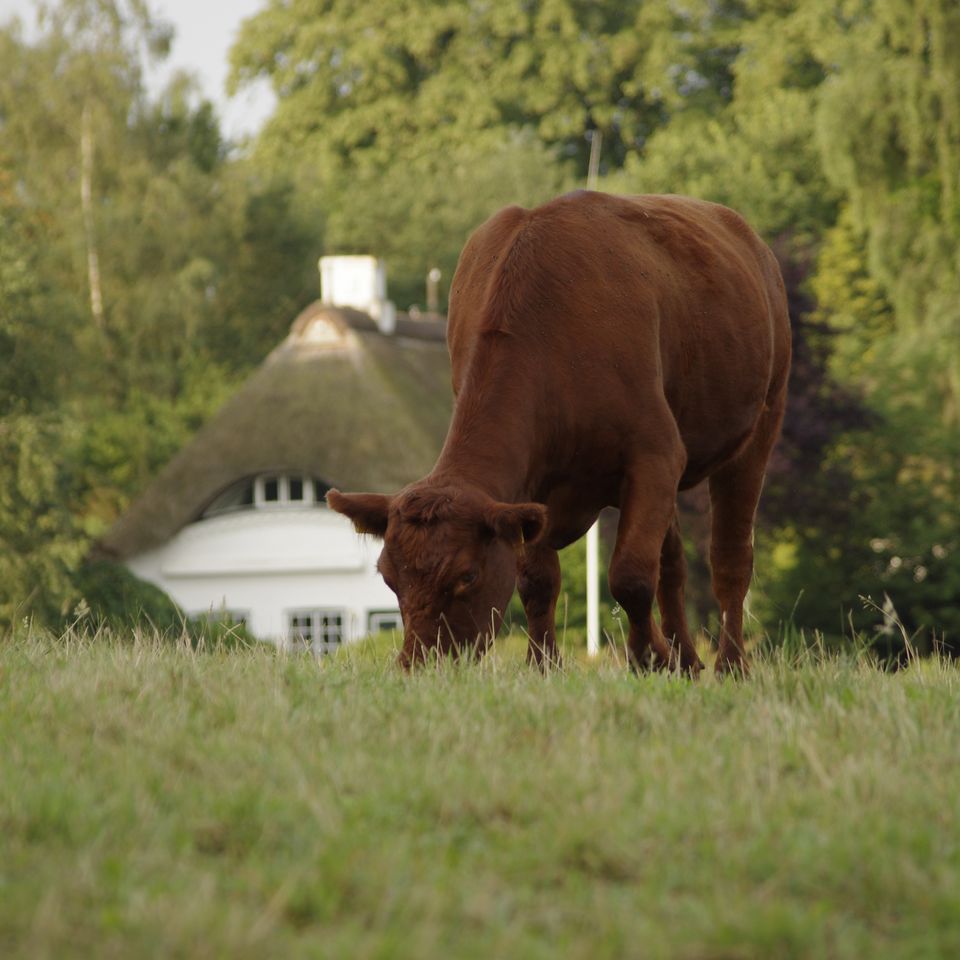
{"x": 517, "y": 523}
{"x": 368, "y": 511}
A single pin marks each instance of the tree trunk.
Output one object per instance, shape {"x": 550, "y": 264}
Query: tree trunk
{"x": 86, "y": 200}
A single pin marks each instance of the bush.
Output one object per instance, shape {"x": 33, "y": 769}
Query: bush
{"x": 112, "y": 596}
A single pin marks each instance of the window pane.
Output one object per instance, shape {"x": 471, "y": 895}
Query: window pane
{"x": 385, "y": 620}
{"x": 331, "y": 628}
{"x": 271, "y": 490}
{"x": 237, "y": 497}
{"x": 301, "y": 627}
{"x": 296, "y": 488}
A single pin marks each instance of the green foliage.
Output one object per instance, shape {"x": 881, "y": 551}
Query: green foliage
{"x": 852, "y": 303}
{"x": 40, "y": 543}
{"x": 358, "y": 82}
{"x": 112, "y": 601}
{"x": 897, "y": 540}
{"x": 198, "y": 262}
{"x": 110, "y": 596}
{"x": 889, "y": 134}
{"x": 217, "y": 632}
{"x": 32, "y": 331}
{"x": 119, "y": 451}
{"x": 265, "y": 238}
{"x": 405, "y": 214}
{"x": 410, "y": 123}
{"x": 758, "y": 158}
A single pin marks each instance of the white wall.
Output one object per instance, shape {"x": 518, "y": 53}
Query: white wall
{"x": 268, "y": 561}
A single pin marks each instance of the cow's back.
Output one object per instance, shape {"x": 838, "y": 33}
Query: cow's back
{"x": 611, "y": 303}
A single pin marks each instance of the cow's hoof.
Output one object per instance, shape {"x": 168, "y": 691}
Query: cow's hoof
{"x": 691, "y": 668}
{"x": 735, "y": 668}
{"x": 650, "y": 662}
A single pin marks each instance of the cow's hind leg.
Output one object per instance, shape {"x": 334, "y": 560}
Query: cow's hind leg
{"x": 539, "y": 585}
{"x": 647, "y": 507}
{"x": 734, "y": 495}
{"x": 673, "y": 617}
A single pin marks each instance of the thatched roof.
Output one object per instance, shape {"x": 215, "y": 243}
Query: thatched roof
{"x": 336, "y": 400}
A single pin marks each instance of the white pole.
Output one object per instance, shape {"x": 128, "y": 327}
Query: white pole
{"x": 593, "y": 534}
{"x": 593, "y": 166}
{"x": 593, "y": 591}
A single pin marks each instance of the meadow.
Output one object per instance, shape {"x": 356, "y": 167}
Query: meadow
{"x": 157, "y": 800}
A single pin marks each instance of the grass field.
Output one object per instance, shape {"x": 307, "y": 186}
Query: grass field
{"x": 160, "y": 802}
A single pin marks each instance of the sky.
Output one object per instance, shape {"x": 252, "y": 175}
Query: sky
{"x": 205, "y": 30}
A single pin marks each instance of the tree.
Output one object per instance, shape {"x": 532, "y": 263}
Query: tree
{"x": 418, "y": 214}
{"x": 140, "y": 271}
{"x": 839, "y": 141}
{"x": 888, "y": 128}
{"x": 409, "y": 123}
{"x": 893, "y": 536}
{"x": 354, "y": 80}
{"x": 38, "y": 538}
{"x": 34, "y": 328}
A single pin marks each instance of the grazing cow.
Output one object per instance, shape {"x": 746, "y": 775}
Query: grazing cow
{"x": 606, "y": 351}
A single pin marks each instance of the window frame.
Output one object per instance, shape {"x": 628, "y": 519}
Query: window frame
{"x": 373, "y": 627}
{"x": 312, "y": 490}
{"x": 320, "y": 632}
{"x": 307, "y": 488}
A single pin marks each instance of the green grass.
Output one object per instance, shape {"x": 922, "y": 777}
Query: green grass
{"x": 160, "y": 802}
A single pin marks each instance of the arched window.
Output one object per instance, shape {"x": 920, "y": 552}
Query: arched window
{"x": 269, "y": 491}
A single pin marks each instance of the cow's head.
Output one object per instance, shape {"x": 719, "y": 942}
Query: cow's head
{"x": 450, "y": 556}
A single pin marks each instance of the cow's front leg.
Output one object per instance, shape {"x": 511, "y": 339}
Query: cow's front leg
{"x": 647, "y": 506}
{"x": 539, "y": 584}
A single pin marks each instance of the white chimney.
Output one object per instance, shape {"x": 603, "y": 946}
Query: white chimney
{"x": 361, "y": 283}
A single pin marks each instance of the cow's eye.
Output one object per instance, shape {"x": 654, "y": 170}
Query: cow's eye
{"x": 465, "y": 581}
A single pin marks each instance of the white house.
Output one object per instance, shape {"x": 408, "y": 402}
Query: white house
{"x": 236, "y": 524}
{"x": 269, "y": 555}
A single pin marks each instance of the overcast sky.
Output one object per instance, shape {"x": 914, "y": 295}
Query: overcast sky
{"x": 205, "y": 30}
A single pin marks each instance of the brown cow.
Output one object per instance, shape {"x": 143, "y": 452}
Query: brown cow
{"x": 606, "y": 351}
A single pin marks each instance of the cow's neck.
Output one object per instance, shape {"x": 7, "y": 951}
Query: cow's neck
{"x": 493, "y": 441}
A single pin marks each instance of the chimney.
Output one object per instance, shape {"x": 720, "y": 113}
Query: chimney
{"x": 359, "y": 282}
